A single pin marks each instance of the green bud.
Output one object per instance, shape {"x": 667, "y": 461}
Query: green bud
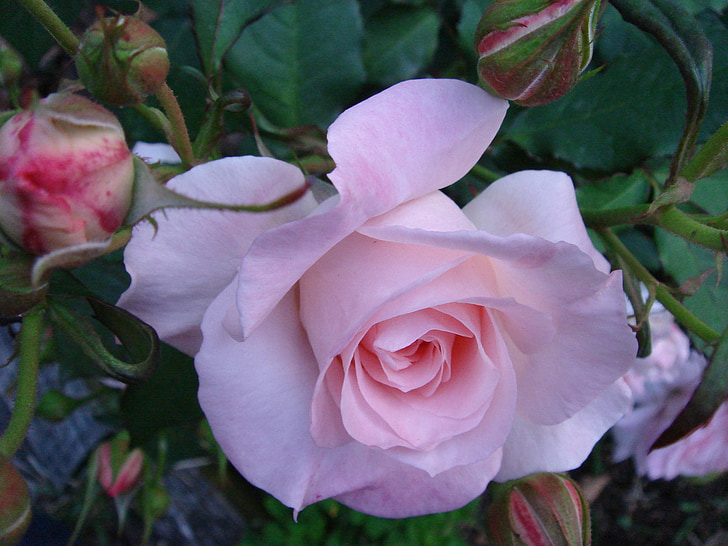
{"x": 533, "y": 51}
{"x": 15, "y": 510}
{"x": 122, "y": 60}
{"x": 544, "y": 508}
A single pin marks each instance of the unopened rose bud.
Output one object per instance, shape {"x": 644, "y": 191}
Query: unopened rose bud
{"x": 119, "y": 470}
{"x": 533, "y": 51}
{"x": 122, "y": 60}
{"x": 66, "y": 175}
{"x": 15, "y": 510}
{"x": 547, "y": 509}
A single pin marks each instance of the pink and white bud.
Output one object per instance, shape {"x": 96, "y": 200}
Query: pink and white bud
{"x": 533, "y": 51}
{"x": 66, "y": 174}
{"x": 539, "y": 510}
{"x": 119, "y": 471}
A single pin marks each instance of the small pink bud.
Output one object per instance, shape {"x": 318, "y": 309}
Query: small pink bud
{"x": 533, "y": 51}
{"x": 119, "y": 470}
{"x": 15, "y": 510}
{"x": 66, "y": 174}
{"x": 122, "y": 60}
{"x": 539, "y": 510}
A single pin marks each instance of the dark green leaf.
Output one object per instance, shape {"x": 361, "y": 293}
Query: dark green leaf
{"x": 684, "y": 261}
{"x": 219, "y": 23}
{"x": 301, "y": 63}
{"x": 710, "y": 394}
{"x": 139, "y": 339}
{"x": 619, "y": 191}
{"x": 399, "y": 42}
{"x": 168, "y": 399}
{"x": 683, "y": 38}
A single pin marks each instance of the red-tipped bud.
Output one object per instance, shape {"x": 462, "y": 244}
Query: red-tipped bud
{"x": 66, "y": 175}
{"x": 15, "y": 510}
{"x": 122, "y": 60}
{"x": 119, "y": 470}
{"x": 539, "y": 510}
{"x": 533, "y": 51}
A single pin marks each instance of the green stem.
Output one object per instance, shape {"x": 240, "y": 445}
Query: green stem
{"x": 615, "y": 217}
{"x": 30, "y": 334}
{"x": 182, "y": 143}
{"x": 676, "y": 221}
{"x": 53, "y": 24}
{"x": 484, "y": 173}
{"x": 156, "y": 119}
{"x": 679, "y": 311}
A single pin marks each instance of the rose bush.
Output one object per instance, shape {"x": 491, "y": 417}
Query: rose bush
{"x": 66, "y": 174}
{"x": 384, "y": 347}
{"x": 662, "y": 385}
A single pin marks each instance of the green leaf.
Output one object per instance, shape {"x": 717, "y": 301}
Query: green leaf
{"x": 301, "y": 63}
{"x": 684, "y": 261}
{"x": 168, "y": 399}
{"x": 710, "y": 394}
{"x": 711, "y": 194}
{"x": 399, "y": 43}
{"x": 219, "y": 23}
{"x": 138, "y": 338}
{"x": 683, "y": 38}
{"x": 713, "y": 157}
{"x": 618, "y": 191}
{"x": 470, "y": 15}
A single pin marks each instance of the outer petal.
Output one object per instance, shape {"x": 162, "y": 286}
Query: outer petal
{"x": 556, "y": 448}
{"x": 592, "y": 346}
{"x": 256, "y": 395}
{"x": 177, "y": 271}
{"x": 702, "y": 452}
{"x": 413, "y": 138}
{"x": 539, "y": 203}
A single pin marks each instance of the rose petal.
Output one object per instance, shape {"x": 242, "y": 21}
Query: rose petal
{"x": 405, "y": 142}
{"x": 592, "y": 346}
{"x": 538, "y": 203}
{"x": 256, "y": 395}
{"x": 557, "y": 448}
{"x": 179, "y": 267}
{"x": 700, "y": 453}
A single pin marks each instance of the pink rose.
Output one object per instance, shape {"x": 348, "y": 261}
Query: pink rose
{"x": 662, "y": 385}
{"x": 384, "y": 347}
{"x": 66, "y": 174}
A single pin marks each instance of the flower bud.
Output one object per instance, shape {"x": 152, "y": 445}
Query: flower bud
{"x": 541, "y": 509}
{"x": 119, "y": 470}
{"x": 122, "y": 60}
{"x": 15, "y": 510}
{"x": 532, "y": 51}
{"x": 66, "y": 175}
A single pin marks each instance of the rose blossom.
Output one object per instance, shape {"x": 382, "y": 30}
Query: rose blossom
{"x": 384, "y": 347}
{"x": 66, "y": 174}
{"x": 662, "y": 385}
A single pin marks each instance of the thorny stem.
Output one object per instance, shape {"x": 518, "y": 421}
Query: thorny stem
{"x": 182, "y": 143}
{"x": 24, "y": 408}
{"x": 680, "y": 312}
